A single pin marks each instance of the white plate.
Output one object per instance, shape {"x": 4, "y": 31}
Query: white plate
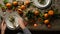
{"x": 9, "y": 24}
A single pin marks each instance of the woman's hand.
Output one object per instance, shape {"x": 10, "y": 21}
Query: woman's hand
{"x": 3, "y": 27}
{"x": 21, "y": 23}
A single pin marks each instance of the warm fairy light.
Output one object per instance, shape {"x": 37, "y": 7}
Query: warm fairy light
{"x": 15, "y": 3}
{"x": 23, "y": 7}
{"x": 8, "y": 5}
{"x": 36, "y": 12}
{"x": 27, "y": 2}
{"x": 35, "y": 25}
{"x": 51, "y": 12}
{"x": 46, "y": 21}
{"x": 49, "y": 26}
{"x": 45, "y": 15}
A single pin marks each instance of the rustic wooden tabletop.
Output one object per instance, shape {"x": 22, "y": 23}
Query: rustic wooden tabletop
{"x": 56, "y": 23}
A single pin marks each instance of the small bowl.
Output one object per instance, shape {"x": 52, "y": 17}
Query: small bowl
{"x": 42, "y": 6}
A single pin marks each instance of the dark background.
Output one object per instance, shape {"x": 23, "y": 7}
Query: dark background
{"x": 33, "y": 32}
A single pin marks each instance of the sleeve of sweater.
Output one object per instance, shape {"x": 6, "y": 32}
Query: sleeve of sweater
{"x": 25, "y": 31}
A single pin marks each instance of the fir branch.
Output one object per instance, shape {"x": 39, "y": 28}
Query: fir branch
{"x": 0, "y": 5}
{"x": 5, "y": 1}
